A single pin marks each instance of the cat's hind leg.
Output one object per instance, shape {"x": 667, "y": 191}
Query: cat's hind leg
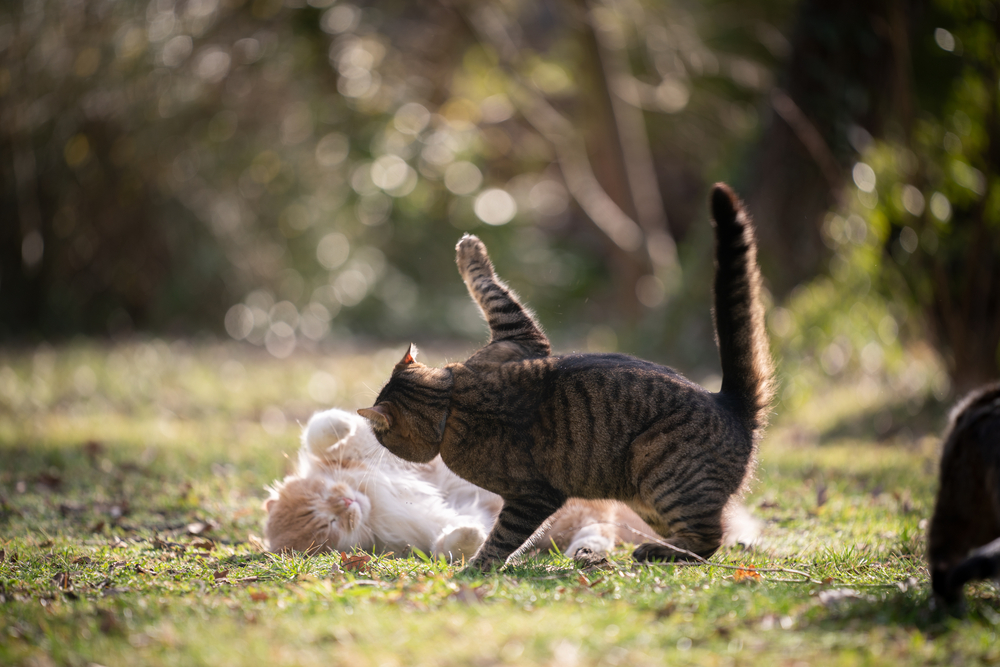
{"x": 689, "y": 519}
{"x": 518, "y": 521}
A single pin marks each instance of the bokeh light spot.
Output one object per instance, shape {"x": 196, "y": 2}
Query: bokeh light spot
{"x": 462, "y": 178}
{"x": 495, "y": 207}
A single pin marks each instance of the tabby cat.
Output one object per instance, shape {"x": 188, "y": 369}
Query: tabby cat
{"x": 538, "y": 429}
{"x": 967, "y": 511}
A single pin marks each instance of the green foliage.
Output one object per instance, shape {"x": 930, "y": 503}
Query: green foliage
{"x": 301, "y": 171}
{"x": 915, "y": 243}
{"x": 126, "y": 537}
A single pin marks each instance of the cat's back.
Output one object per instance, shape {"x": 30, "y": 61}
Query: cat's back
{"x": 975, "y": 425}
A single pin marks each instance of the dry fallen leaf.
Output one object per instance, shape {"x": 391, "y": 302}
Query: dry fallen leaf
{"x": 258, "y": 596}
{"x": 220, "y": 574}
{"x": 63, "y": 581}
{"x": 586, "y": 582}
{"x": 746, "y": 574}
{"x": 356, "y": 562}
{"x": 203, "y": 544}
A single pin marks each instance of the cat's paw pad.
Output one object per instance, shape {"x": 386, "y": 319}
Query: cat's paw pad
{"x": 588, "y": 560}
{"x": 590, "y": 544}
{"x": 470, "y": 254}
{"x": 461, "y": 542}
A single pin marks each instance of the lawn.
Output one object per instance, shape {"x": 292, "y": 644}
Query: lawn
{"x": 131, "y": 482}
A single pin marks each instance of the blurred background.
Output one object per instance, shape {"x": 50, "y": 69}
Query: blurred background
{"x": 294, "y": 174}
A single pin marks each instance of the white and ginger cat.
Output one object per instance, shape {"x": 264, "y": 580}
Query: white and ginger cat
{"x": 347, "y": 492}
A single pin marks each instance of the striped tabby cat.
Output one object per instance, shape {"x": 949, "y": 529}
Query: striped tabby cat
{"x": 538, "y": 429}
{"x": 967, "y": 511}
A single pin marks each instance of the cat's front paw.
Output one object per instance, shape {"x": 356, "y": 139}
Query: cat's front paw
{"x": 471, "y": 256}
{"x": 460, "y": 543}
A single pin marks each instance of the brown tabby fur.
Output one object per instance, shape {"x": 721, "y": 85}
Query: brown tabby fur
{"x": 967, "y": 511}
{"x": 539, "y": 429}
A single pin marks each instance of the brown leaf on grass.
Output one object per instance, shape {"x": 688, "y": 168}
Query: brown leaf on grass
{"x": 201, "y": 527}
{"x": 65, "y": 509}
{"x": 747, "y": 574}
{"x": 586, "y": 582}
{"x": 220, "y": 574}
{"x": 204, "y": 544}
{"x": 49, "y": 480}
{"x": 97, "y": 527}
{"x": 258, "y": 595}
{"x": 356, "y": 562}
{"x": 63, "y": 581}
{"x": 666, "y": 610}
{"x": 81, "y": 560}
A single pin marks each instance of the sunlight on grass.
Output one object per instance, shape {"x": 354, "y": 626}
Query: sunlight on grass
{"x": 131, "y": 482}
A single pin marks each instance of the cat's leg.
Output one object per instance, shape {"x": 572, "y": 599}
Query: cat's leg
{"x": 683, "y": 543}
{"x": 508, "y": 320}
{"x": 689, "y": 518}
{"x": 518, "y": 520}
{"x": 460, "y": 542}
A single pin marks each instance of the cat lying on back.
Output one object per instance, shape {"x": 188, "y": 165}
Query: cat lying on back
{"x": 348, "y": 492}
{"x": 967, "y": 511}
{"x": 538, "y": 429}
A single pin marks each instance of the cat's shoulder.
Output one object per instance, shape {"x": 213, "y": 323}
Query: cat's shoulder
{"x": 982, "y": 402}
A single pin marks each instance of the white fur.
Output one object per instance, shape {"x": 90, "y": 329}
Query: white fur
{"x": 422, "y": 506}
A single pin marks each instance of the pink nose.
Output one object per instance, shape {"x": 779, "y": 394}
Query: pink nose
{"x": 347, "y": 502}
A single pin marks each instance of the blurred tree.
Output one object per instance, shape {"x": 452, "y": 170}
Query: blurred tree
{"x": 300, "y": 169}
{"x": 847, "y": 79}
{"x": 933, "y": 197}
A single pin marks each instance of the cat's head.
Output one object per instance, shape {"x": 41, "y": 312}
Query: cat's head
{"x": 410, "y": 413}
{"x": 316, "y": 514}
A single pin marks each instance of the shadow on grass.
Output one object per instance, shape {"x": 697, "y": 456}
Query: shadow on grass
{"x": 910, "y": 419}
{"x": 913, "y": 609}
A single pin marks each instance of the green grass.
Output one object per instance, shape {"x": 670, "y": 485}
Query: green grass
{"x": 131, "y": 479}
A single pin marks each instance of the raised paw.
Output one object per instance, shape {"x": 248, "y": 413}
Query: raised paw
{"x": 651, "y": 552}
{"x": 470, "y": 255}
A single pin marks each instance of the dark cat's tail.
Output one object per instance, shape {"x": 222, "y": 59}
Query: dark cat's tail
{"x": 747, "y": 368}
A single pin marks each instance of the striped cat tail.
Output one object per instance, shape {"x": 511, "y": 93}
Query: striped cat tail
{"x": 508, "y": 320}
{"x": 747, "y": 367}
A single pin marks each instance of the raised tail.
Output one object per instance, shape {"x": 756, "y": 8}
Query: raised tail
{"x": 747, "y": 368}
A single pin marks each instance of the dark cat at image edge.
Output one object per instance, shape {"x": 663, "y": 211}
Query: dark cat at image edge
{"x": 963, "y": 542}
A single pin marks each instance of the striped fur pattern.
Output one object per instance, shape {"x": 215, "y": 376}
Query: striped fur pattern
{"x": 967, "y": 510}
{"x": 538, "y": 429}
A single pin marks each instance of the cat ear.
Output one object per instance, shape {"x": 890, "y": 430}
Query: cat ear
{"x": 410, "y": 356}
{"x": 268, "y": 503}
{"x": 378, "y": 416}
